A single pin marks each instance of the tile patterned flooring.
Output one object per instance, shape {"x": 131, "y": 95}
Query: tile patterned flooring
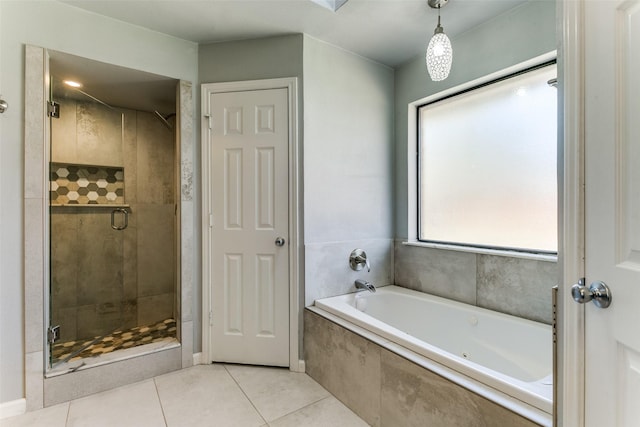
{"x": 218, "y": 395}
{"x": 75, "y": 350}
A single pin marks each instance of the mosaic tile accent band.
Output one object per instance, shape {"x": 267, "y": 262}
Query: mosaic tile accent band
{"x": 86, "y": 185}
{"x": 71, "y": 351}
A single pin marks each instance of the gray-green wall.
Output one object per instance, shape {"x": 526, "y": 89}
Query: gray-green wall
{"x": 508, "y": 39}
{"x": 346, "y": 138}
{"x": 348, "y": 168}
{"x": 257, "y": 59}
{"x": 68, "y": 29}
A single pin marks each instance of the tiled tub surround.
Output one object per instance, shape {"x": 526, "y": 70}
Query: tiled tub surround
{"x": 516, "y": 286}
{"x": 387, "y": 385}
{"x": 102, "y": 279}
{"x": 327, "y": 271}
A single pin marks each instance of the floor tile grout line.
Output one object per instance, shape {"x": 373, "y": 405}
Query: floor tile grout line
{"x": 245, "y": 394}
{"x": 164, "y": 417}
{"x": 293, "y": 411}
{"x": 66, "y": 420}
{"x": 303, "y": 407}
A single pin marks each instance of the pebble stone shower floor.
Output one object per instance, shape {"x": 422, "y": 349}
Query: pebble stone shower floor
{"x": 75, "y": 350}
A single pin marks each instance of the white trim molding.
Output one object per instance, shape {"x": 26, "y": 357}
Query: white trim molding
{"x": 412, "y": 138}
{"x": 295, "y": 212}
{"x": 570, "y": 377}
{"x": 13, "y": 408}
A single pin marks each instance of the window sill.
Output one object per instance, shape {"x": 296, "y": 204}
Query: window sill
{"x": 484, "y": 251}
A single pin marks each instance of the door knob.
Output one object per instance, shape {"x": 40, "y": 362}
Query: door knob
{"x": 598, "y": 292}
{"x": 280, "y": 241}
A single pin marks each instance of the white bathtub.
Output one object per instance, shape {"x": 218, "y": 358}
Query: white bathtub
{"x": 505, "y": 353}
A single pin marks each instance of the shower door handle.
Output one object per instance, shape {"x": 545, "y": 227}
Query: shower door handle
{"x": 123, "y": 224}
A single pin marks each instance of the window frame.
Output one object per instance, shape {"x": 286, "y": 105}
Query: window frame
{"x": 413, "y": 165}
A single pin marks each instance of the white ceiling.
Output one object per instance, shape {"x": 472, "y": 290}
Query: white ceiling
{"x": 387, "y": 31}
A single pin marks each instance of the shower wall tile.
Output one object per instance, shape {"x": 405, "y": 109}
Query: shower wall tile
{"x": 129, "y": 313}
{"x": 130, "y": 148}
{"x": 185, "y": 122}
{"x": 155, "y": 308}
{"x": 33, "y": 374}
{"x": 156, "y": 154}
{"x": 413, "y": 396}
{"x": 99, "y": 135}
{"x": 107, "y": 278}
{"x": 100, "y": 257}
{"x": 156, "y": 249}
{"x": 98, "y": 319}
{"x": 185, "y": 309}
{"x": 130, "y": 257}
{"x": 347, "y": 365}
{"x": 186, "y": 338}
{"x": 64, "y": 135}
{"x": 520, "y": 287}
{"x": 327, "y": 271}
{"x": 34, "y": 306}
{"x": 447, "y": 274}
{"x": 64, "y": 258}
{"x": 34, "y": 123}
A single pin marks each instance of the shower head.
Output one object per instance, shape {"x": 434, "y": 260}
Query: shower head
{"x": 163, "y": 119}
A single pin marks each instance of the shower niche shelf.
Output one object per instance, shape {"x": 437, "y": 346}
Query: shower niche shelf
{"x": 77, "y": 185}
{"x": 92, "y": 205}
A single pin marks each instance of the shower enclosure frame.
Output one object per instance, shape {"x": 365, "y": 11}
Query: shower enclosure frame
{"x": 41, "y": 390}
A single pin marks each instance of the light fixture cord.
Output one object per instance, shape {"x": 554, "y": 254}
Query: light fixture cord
{"x": 439, "y": 28}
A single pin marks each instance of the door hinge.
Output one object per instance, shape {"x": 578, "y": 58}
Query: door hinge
{"x": 210, "y": 318}
{"x": 208, "y": 117}
{"x": 53, "y": 109}
{"x": 210, "y": 220}
{"x": 53, "y": 334}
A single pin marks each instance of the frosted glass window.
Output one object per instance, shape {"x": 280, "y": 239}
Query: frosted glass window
{"x": 487, "y": 165}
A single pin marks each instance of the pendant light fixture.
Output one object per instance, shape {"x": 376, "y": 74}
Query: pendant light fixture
{"x": 439, "y": 53}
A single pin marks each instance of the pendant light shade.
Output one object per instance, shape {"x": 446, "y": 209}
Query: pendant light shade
{"x": 439, "y": 52}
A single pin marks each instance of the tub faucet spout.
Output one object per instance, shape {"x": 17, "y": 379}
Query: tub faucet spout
{"x": 363, "y": 285}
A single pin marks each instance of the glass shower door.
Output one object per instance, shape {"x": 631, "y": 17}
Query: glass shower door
{"x": 87, "y": 229}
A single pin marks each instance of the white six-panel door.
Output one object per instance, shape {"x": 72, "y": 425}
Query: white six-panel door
{"x": 249, "y": 202}
{"x": 612, "y": 198}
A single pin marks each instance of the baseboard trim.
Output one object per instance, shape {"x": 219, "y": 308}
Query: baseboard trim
{"x": 300, "y": 367}
{"x": 197, "y": 359}
{"x": 13, "y": 408}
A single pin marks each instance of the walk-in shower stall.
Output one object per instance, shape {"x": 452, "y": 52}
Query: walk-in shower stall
{"x": 113, "y": 211}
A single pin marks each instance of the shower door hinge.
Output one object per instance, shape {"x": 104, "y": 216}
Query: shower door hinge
{"x": 53, "y": 334}
{"x": 53, "y": 109}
